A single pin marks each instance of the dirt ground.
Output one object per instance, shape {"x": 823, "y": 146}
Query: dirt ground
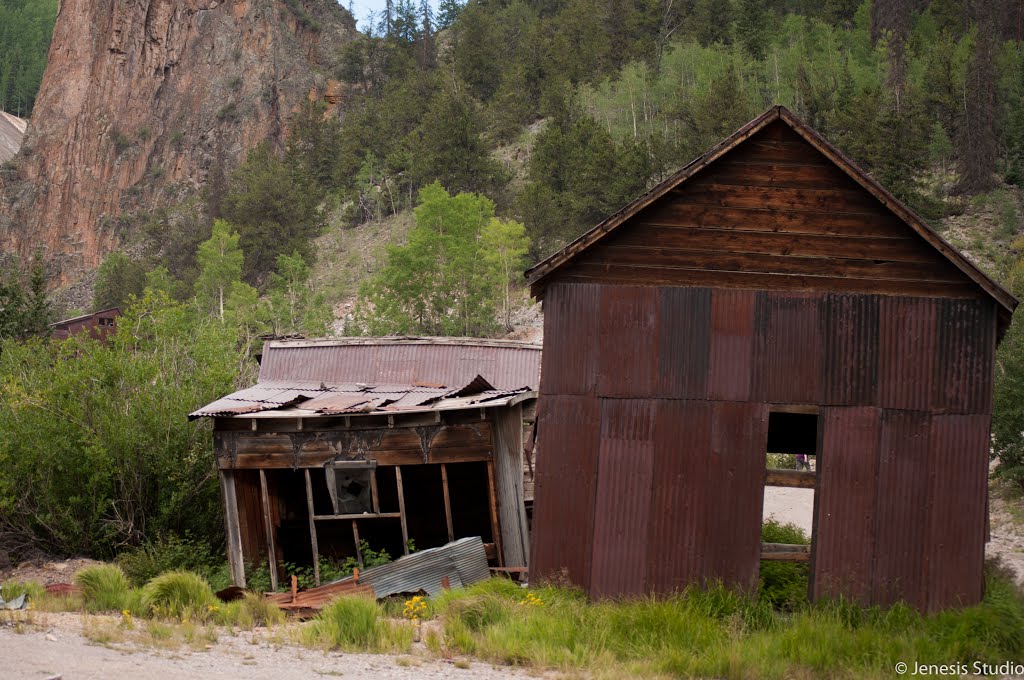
{"x": 54, "y": 646}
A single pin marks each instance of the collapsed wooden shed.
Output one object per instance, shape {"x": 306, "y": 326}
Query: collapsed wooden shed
{"x": 382, "y": 442}
{"x": 770, "y": 296}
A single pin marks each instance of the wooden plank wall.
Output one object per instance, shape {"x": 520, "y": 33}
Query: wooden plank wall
{"x": 774, "y": 214}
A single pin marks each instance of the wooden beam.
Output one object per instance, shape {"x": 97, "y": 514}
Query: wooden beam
{"x": 495, "y": 527}
{"x": 361, "y": 515}
{"x": 401, "y": 511}
{"x": 375, "y": 499}
{"x": 785, "y": 552}
{"x": 507, "y": 436}
{"x": 312, "y": 529}
{"x": 798, "y": 479}
{"x": 268, "y": 526}
{"x": 232, "y": 531}
{"x": 447, "y": 503}
{"x": 355, "y": 536}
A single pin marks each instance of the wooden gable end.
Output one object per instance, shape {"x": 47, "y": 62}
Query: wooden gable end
{"x": 772, "y": 213}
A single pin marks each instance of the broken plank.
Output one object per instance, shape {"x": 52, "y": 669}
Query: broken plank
{"x": 798, "y": 479}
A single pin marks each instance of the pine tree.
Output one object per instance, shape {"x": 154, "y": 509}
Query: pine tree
{"x": 977, "y": 140}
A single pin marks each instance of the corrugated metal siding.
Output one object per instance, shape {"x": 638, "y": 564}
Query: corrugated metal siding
{"x": 846, "y": 502}
{"x": 732, "y": 344}
{"x": 679, "y": 495}
{"x": 849, "y": 372}
{"x": 955, "y": 553}
{"x": 622, "y": 509}
{"x": 906, "y": 352}
{"x": 570, "y": 324}
{"x": 963, "y": 367}
{"x": 903, "y": 509}
{"x": 684, "y": 339}
{"x": 735, "y": 493}
{"x": 568, "y": 430}
{"x": 628, "y": 319}
{"x": 404, "y": 363}
{"x": 787, "y": 348}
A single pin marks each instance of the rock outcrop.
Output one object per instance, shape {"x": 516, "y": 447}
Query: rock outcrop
{"x": 142, "y": 100}
{"x": 12, "y": 129}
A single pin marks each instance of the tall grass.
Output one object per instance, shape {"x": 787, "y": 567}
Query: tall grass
{"x": 181, "y": 595}
{"x": 715, "y": 632}
{"x": 105, "y": 588}
{"x": 354, "y": 623}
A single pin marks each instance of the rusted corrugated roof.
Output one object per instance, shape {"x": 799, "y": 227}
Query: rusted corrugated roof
{"x": 351, "y": 398}
{"x": 444, "y": 362}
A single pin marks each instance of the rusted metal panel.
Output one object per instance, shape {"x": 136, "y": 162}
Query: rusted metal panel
{"x": 680, "y": 495}
{"x": 736, "y": 469}
{"x": 850, "y": 338}
{"x": 958, "y": 474}
{"x": 684, "y": 336}
{"x": 906, "y": 352}
{"x": 622, "y": 504}
{"x": 732, "y": 344}
{"x": 571, "y": 314}
{"x": 903, "y": 509}
{"x": 787, "y": 348}
{"x": 965, "y": 352}
{"x": 846, "y": 502}
{"x": 627, "y": 340}
{"x": 568, "y": 430}
{"x": 405, "y": 361}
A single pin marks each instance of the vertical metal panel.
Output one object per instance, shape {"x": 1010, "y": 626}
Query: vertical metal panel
{"x": 850, "y": 339}
{"x": 846, "y": 501}
{"x": 684, "y": 337}
{"x": 964, "y": 356}
{"x": 787, "y": 348}
{"x": 622, "y": 507}
{"x": 958, "y": 477}
{"x": 568, "y": 430}
{"x": 571, "y": 313}
{"x": 906, "y": 352}
{"x": 736, "y": 470}
{"x": 903, "y": 509}
{"x": 732, "y": 344}
{"x": 680, "y": 495}
{"x": 627, "y": 342}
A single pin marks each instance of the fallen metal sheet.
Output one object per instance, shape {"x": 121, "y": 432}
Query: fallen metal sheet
{"x": 19, "y": 602}
{"x": 464, "y": 562}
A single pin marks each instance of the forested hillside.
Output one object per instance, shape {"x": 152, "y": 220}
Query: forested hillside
{"x": 25, "y": 29}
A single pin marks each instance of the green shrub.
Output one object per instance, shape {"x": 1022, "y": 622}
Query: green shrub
{"x": 104, "y": 588}
{"x": 180, "y": 594}
{"x": 784, "y": 585}
{"x": 170, "y": 553}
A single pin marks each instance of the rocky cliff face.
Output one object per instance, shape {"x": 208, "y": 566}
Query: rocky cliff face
{"x": 142, "y": 100}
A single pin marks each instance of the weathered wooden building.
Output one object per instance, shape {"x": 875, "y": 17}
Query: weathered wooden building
{"x": 97, "y": 325}
{"x": 769, "y": 296}
{"x": 390, "y": 441}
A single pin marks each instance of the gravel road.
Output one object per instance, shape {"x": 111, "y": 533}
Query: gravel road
{"x": 55, "y": 647}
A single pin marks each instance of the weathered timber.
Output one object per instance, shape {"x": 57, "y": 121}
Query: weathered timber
{"x": 798, "y": 479}
{"x": 508, "y": 476}
{"x": 312, "y": 529}
{"x": 268, "y": 523}
{"x": 231, "y": 528}
{"x": 495, "y": 526}
{"x": 785, "y": 552}
{"x": 447, "y": 503}
{"x": 401, "y": 511}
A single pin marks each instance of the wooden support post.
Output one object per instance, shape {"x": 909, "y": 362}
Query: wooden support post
{"x": 447, "y": 503}
{"x": 373, "y": 491}
{"x": 268, "y": 526}
{"x": 495, "y": 528}
{"x": 401, "y": 510}
{"x": 355, "y": 536}
{"x": 312, "y": 529}
{"x": 232, "y": 531}
{"x": 507, "y": 439}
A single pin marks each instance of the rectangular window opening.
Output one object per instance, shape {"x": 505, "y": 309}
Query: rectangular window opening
{"x": 787, "y": 534}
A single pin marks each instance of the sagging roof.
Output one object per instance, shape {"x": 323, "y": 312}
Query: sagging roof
{"x": 310, "y": 400}
{"x": 539, "y": 274}
{"x": 409, "y": 361}
{"x": 110, "y": 311}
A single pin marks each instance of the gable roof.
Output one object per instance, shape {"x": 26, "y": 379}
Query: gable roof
{"x": 538, "y": 274}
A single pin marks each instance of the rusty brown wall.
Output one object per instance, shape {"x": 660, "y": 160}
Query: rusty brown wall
{"x": 653, "y": 416}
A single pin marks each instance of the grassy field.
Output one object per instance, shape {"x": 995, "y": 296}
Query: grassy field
{"x": 709, "y": 632}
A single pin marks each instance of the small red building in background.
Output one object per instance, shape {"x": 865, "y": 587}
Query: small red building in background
{"x": 98, "y": 325}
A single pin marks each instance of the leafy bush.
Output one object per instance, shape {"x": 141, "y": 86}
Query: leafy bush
{"x": 169, "y": 553}
{"x": 784, "y": 585}
{"x": 104, "y": 588}
{"x": 180, "y": 594}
